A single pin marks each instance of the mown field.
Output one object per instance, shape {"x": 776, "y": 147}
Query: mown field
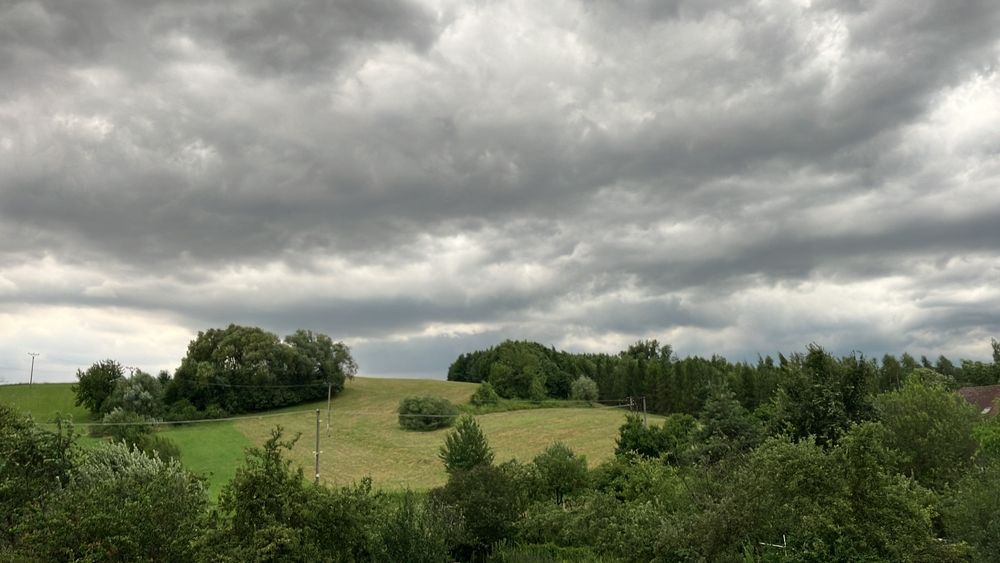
{"x": 364, "y": 438}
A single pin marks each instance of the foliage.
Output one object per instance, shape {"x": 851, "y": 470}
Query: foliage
{"x": 725, "y": 428}
{"x": 241, "y": 369}
{"x": 489, "y": 503}
{"x": 626, "y": 530}
{"x": 584, "y": 389}
{"x": 465, "y": 447}
{"x": 33, "y": 463}
{"x": 267, "y": 513}
{"x": 506, "y": 552}
{"x": 426, "y": 413}
{"x": 561, "y": 471}
{"x": 120, "y": 505}
{"x": 484, "y": 395}
{"x": 931, "y": 427}
{"x": 417, "y": 531}
{"x": 840, "y": 504}
{"x": 821, "y": 397}
{"x": 634, "y": 437}
{"x": 969, "y": 512}
{"x": 142, "y": 393}
{"x": 95, "y": 385}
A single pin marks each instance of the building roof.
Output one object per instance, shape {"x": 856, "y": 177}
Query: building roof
{"x": 983, "y": 397}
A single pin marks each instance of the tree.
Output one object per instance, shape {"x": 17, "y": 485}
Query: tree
{"x": 465, "y": 447}
{"x": 241, "y": 369}
{"x": 95, "y": 385}
{"x": 142, "y": 394}
{"x": 267, "y": 512}
{"x": 726, "y": 428}
{"x": 634, "y": 437}
{"x": 584, "y": 389}
{"x": 489, "y": 503}
{"x": 930, "y": 426}
{"x": 562, "y": 472}
{"x": 484, "y": 395}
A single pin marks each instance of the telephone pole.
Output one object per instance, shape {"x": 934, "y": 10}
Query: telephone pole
{"x": 31, "y": 376}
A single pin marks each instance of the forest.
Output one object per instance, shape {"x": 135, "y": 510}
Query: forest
{"x": 810, "y": 457}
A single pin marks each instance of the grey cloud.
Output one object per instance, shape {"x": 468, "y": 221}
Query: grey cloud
{"x": 681, "y": 152}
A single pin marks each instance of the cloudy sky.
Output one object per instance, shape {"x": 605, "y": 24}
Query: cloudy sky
{"x": 420, "y": 178}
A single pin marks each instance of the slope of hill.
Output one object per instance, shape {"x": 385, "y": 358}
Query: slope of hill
{"x": 364, "y": 438}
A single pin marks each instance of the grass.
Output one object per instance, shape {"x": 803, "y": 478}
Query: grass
{"x": 211, "y": 450}
{"x": 44, "y": 400}
{"x": 365, "y": 438}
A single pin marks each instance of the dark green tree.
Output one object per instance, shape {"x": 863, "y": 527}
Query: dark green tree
{"x": 94, "y": 386}
{"x": 484, "y": 395}
{"x": 931, "y": 426}
{"x": 465, "y": 447}
{"x": 561, "y": 471}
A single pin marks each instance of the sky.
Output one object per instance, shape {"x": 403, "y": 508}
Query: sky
{"x": 422, "y": 178}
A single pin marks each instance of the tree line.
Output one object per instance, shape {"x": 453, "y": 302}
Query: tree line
{"x": 529, "y": 370}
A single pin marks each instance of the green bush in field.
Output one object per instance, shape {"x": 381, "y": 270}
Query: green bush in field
{"x": 485, "y": 395}
{"x": 426, "y": 413}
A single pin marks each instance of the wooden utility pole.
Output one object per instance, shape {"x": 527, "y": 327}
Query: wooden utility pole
{"x": 317, "y": 446}
{"x": 645, "y": 419}
{"x": 31, "y": 376}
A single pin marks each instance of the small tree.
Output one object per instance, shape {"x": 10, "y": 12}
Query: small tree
{"x": 485, "y": 395}
{"x": 96, "y": 384}
{"x": 465, "y": 447}
{"x": 426, "y": 413}
{"x": 584, "y": 389}
{"x": 562, "y": 472}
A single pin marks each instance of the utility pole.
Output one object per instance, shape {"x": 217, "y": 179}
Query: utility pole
{"x": 645, "y": 419}
{"x": 31, "y": 376}
{"x": 317, "y": 446}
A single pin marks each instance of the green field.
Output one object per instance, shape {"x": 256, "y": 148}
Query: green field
{"x": 364, "y": 438}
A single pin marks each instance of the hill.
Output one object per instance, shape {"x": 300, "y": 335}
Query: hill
{"x": 364, "y": 438}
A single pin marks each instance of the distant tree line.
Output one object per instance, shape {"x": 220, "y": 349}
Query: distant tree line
{"x": 529, "y": 370}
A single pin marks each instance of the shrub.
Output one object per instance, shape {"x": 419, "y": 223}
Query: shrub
{"x": 485, "y": 395}
{"x": 120, "y": 505}
{"x": 583, "y": 389}
{"x": 426, "y": 413}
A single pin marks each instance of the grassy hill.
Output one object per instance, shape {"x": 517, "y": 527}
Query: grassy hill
{"x": 364, "y": 438}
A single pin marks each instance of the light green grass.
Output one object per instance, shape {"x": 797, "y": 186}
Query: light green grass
{"x": 364, "y": 438}
{"x": 44, "y": 400}
{"x": 211, "y": 450}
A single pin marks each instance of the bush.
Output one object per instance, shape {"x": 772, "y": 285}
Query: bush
{"x": 120, "y": 505}
{"x": 426, "y": 413}
{"x": 583, "y": 389}
{"x": 485, "y": 395}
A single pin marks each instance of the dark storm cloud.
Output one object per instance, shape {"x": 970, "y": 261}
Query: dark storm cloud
{"x": 583, "y": 173}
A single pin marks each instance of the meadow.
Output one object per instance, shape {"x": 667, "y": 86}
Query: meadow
{"x": 364, "y": 438}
